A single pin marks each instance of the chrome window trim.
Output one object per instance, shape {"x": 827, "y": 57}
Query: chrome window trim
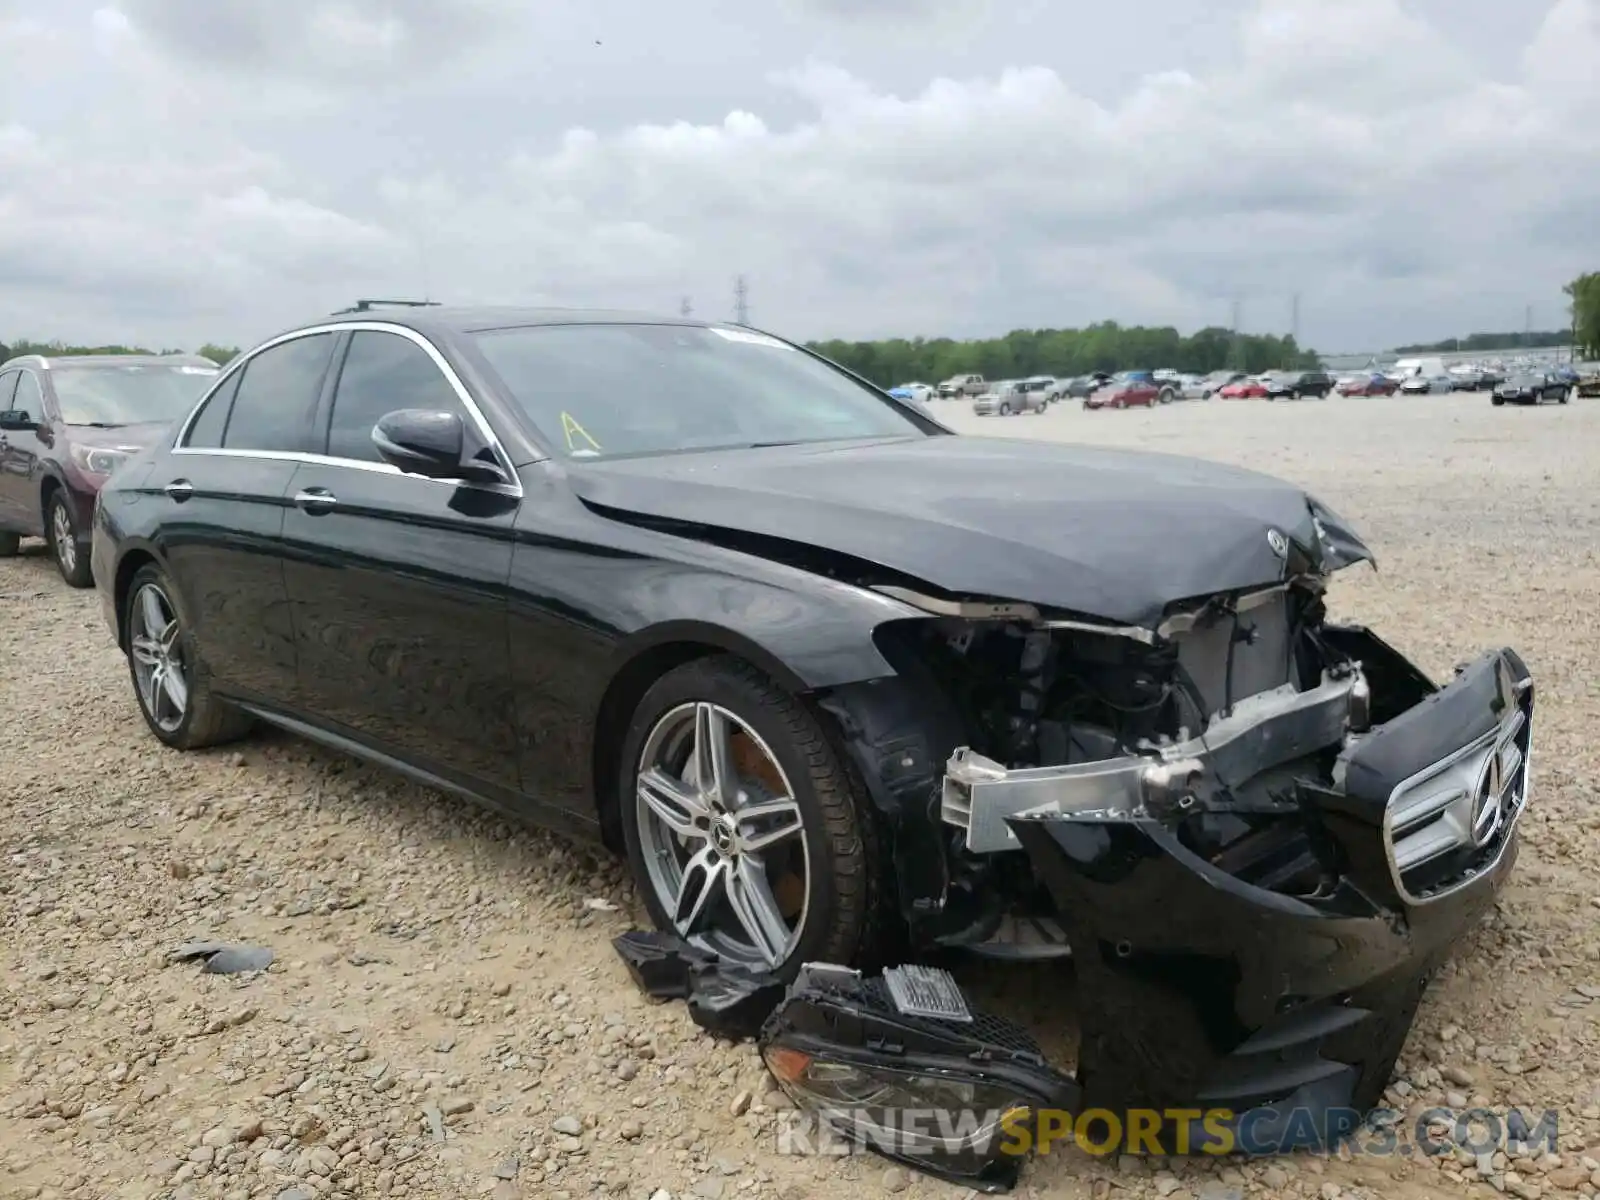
{"x": 503, "y": 459}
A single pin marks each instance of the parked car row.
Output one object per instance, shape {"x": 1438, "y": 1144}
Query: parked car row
{"x": 66, "y": 423}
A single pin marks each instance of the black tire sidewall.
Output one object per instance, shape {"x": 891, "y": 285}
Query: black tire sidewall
{"x": 80, "y": 575}
{"x": 713, "y": 681}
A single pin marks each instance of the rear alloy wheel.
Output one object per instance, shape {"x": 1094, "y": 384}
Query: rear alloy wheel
{"x": 743, "y": 830}
{"x": 62, "y": 534}
{"x": 169, "y": 680}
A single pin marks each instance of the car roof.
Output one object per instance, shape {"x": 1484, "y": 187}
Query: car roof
{"x": 451, "y": 319}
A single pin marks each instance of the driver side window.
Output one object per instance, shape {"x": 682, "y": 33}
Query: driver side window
{"x": 29, "y": 397}
{"x": 383, "y": 372}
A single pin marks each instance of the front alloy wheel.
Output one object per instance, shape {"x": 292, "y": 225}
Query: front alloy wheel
{"x": 741, "y": 827}
{"x": 160, "y": 671}
{"x": 170, "y": 681}
{"x": 62, "y": 535}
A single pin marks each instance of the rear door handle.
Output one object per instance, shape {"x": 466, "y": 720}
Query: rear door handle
{"x": 179, "y": 489}
{"x": 316, "y": 501}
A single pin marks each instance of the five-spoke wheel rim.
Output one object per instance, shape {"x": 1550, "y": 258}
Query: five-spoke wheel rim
{"x": 722, "y": 836}
{"x": 61, "y": 534}
{"x": 159, "y": 669}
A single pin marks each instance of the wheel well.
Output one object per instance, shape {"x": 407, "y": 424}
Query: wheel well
{"x": 126, "y": 569}
{"x": 47, "y": 488}
{"x": 622, "y": 696}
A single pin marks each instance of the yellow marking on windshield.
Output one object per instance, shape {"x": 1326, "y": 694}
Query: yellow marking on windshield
{"x": 570, "y": 426}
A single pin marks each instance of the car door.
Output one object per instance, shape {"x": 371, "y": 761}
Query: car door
{"x": 11, "y": 512}
{"x": 398, "y": 582}
{"x": 23, "y": 453}
{"x": 226, "y": 484}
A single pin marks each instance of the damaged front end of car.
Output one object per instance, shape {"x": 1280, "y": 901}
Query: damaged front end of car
{"x": 1255, "y": 832}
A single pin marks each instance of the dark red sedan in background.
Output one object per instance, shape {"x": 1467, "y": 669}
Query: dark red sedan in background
{"x": 66, "y": 423}
{"x": 1245, "y": 389}
{"x": 1127, "y": 390}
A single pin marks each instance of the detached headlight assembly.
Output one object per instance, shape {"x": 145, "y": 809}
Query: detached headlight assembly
{"x": 900, "y": 1066}
{"x": 99, "y": 460}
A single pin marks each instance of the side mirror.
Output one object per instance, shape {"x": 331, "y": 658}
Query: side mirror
{"x": 433, "y": 444}
{"x": 18, "y": 420}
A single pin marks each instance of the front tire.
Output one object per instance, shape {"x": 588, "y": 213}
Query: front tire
{"x": 61, "y": 531}
{"x": 744, "y": 831}
{"x": 170, "y": 682}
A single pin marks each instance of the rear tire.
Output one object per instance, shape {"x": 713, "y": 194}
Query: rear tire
{"x": 772, "y": 745}
{"x": 159, "y": 642}
{"x": 9, "y": 543}
{"x": 61, "y": 532}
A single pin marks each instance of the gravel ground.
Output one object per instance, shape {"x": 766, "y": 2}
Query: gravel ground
{"x": 446, "y": 1016}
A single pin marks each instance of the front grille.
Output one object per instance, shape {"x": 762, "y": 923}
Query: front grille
{"x": 1445, "y": 823}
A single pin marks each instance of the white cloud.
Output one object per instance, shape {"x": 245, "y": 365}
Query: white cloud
{"x": 1352, "y": 154}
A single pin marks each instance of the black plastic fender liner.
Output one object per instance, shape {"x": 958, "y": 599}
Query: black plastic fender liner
{"x": 898, "y": 737}
{"x": 724, "y": 999}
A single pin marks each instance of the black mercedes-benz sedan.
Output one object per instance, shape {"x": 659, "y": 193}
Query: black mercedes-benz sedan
{"x": 840, "y": 683}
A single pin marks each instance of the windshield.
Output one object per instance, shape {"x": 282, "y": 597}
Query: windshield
{"x": 611, "y": 390}
{"x": 127, "y": 393}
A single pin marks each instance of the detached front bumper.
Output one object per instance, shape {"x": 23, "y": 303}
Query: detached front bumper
{"x": 1201, "y": 991}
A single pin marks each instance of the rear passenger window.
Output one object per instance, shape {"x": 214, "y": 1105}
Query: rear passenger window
{"x": 383, "y": 372}
{"x": 276, "y": 395}
{"x": 206, "y": 431}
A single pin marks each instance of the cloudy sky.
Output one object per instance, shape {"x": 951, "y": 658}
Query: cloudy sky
{"x": 175, "y": 171}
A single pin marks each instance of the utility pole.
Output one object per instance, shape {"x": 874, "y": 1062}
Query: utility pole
{"x": 1237, "y": 360}
{"x": 1527, "y": 326}
{"x": 685, "y": 309}
{"x": 741, "y": 301}
{"x": 1294, "y": 323}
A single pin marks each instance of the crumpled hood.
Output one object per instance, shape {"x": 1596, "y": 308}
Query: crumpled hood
{"x": 1114, "y": 534}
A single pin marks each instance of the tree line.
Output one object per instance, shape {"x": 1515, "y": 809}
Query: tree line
{"x": 1106, "y": 346}
{"x": 217, "y": 354}
{"x": 1474, "y": 342}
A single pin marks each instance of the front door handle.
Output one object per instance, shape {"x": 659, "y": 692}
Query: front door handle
{"x": 179, "y": 489}
{"x": 316, "y": 501}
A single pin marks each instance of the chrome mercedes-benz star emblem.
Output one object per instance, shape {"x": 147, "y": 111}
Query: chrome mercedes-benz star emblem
{"x": 1489, "y": 805}
{"x": 1279, "y": 543}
